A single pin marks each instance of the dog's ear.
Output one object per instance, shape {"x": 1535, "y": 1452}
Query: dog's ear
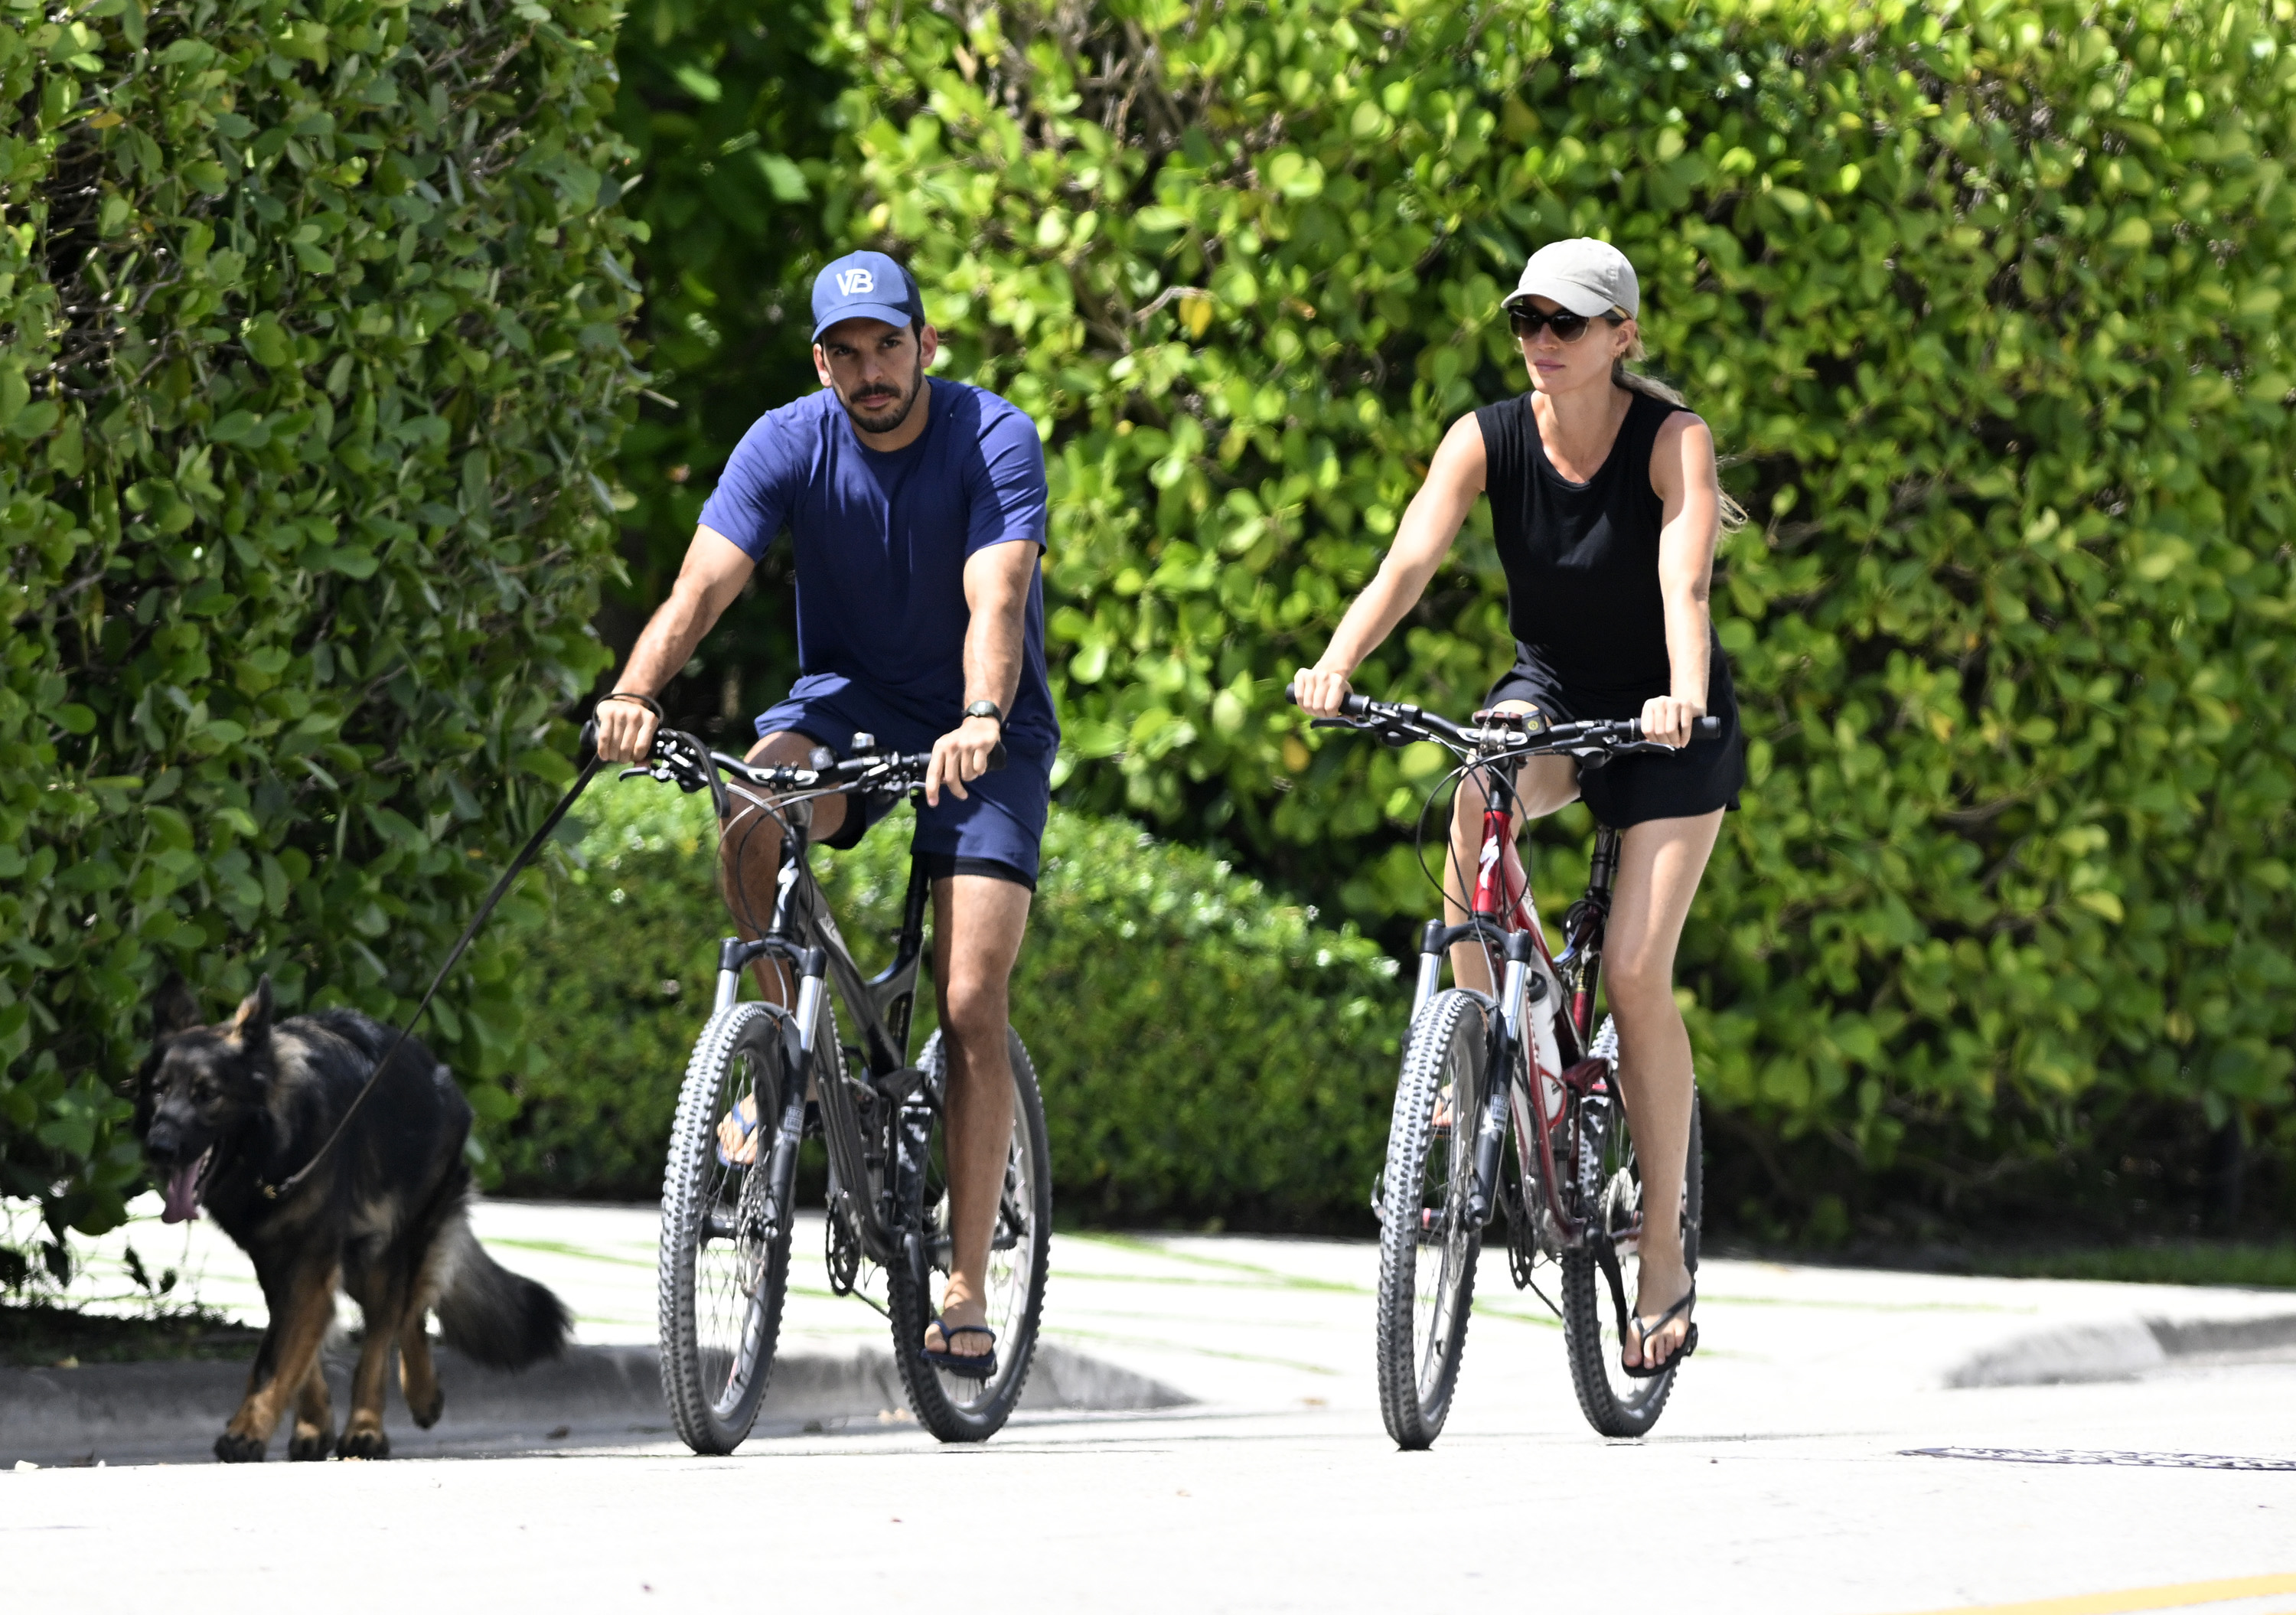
{"x": 253, "y": 1024}
{"x": 174, "y": 1010}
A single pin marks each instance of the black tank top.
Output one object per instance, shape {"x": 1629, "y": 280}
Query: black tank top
{"x": 1581, "y": 558}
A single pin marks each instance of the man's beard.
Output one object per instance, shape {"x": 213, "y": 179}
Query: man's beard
{"x": 879, "y": 410}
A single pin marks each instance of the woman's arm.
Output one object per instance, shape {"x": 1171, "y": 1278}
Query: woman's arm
{"x": 1683, "y": 476}
{"x": 1455, "y": 481}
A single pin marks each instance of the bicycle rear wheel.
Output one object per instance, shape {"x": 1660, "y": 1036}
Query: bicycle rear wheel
{"x": 957, "y": 1409}
{"x": 1427, "y": 1246}
{"x": 1616, "y": 1403}
{"x": 724, "y": 1268}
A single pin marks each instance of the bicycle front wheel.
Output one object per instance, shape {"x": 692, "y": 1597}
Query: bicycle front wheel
{"x": 724, "y": 1268}
{"x": 1427, "y": 1246}
{"x": 1615, "y": 1402}
{"x": 953, "y": 1408}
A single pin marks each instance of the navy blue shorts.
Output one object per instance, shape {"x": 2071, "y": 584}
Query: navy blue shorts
{"x": 997, "y": 830}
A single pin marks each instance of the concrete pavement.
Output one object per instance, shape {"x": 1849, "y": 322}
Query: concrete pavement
{"x": 1794, "y": 1472}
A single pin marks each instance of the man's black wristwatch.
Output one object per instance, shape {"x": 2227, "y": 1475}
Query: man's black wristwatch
{"x": 986, "y": 709}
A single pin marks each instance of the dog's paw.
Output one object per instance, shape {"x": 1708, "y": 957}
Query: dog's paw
{"x": 232, "y": 1447}
{"x": 311, "y": 1446}
{"x": 426, "y": 1415}
{"x": 363, "y": 1443}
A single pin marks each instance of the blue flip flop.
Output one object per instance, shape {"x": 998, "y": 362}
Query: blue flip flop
{"x": 748, "y": 1127}
{"x": 980, "y": 1367}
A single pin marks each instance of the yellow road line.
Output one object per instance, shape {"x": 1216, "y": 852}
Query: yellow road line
{"x": 2177, "y": 1598}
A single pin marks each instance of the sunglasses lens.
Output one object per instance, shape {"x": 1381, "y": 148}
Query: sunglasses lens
{"x": 1567, "y": 327}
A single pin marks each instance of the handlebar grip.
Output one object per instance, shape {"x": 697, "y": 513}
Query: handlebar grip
{"x": 589, "y": 738}
{"x": 1352, "y": 706}
{"x": 1709, "y": 726}
{"x": 996, "y": 759}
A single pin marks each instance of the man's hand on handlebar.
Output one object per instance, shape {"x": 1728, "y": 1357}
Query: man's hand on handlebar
{"x": 1319, "y": 692}
{"x": 625, "y": 731}
{"x": 1667, "y": 719}
{"x": 961, "y": 754}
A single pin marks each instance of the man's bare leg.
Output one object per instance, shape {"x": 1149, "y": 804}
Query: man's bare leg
{"x": 750, "y": 862}
{"x": 978, "y": 923}
{"x": 1660, "y": 863}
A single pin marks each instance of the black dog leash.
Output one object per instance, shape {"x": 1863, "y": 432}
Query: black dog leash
{"x": 517, "y": 866}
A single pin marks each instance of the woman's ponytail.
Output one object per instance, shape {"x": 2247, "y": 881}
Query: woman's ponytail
{"x": 1733, "y": 514}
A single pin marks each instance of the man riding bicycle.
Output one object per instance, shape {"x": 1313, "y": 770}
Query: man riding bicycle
{"x": 917, "y": 511}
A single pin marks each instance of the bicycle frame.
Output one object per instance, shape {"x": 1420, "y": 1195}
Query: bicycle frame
{"x": 804, "y": 937}
{"x": 1539, "y": 1041}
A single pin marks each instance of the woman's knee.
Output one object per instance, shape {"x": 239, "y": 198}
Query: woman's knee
{"x": 1638, "y": 979}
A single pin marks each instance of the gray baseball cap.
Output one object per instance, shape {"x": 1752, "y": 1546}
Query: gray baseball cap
{"x": 1584, "y": 275}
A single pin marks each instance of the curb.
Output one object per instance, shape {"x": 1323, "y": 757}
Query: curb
{"x": 594, "y": 1396}
{"x": 2119, "y": 1348}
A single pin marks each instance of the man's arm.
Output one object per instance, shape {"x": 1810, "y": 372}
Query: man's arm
{"x": 714, "y": 572}
{"x": 996, "y": 582}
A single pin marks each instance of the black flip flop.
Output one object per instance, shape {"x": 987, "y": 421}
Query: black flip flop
{"x": 982, "y": 1366}
{"x": 1644, "y": 1371}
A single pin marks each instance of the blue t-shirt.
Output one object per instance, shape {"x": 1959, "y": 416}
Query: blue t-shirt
{"x": 882, "y": 540}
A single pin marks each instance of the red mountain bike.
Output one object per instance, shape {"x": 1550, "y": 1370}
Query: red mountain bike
{"x": 1508, "y": 1105}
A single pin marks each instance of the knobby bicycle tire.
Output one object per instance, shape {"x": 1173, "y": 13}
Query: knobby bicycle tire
{"x": 956, "y": 1409}
{"x": 1423, "y": 1306}
{"x": 1616, "y": 1404}
{"x": 723, "y": 1273}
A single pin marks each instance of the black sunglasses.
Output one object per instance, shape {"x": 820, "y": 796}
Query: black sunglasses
{"x": 1567, "y": 326}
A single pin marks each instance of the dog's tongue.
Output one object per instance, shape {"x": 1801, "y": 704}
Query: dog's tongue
{"x": 182, "y": 1191}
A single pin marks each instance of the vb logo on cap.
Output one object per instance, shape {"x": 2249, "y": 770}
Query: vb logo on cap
{"x": 866, "y": 286}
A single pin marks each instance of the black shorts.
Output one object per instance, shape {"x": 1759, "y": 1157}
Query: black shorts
{"x": 1703, "y": 776}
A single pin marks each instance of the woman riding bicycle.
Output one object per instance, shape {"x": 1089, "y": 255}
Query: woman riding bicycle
{"x": 1606, "y": 507}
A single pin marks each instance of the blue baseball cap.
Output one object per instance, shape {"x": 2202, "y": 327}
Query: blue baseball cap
{"x": 866, "y": 286}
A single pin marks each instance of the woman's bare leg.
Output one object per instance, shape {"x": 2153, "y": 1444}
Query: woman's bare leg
{"x": 1543, "y": 785}
{"x": 1660, "y": 863}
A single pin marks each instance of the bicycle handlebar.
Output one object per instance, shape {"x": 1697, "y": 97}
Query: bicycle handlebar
{"x": 678, "y": 758}
{"x": 1608, "y": 737}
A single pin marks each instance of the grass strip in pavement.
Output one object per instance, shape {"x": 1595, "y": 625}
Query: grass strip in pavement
{"x": 1153, "y": 1343}
{"x": 553, "y": 1247}
{"x": 2234, "y": 1263}
{"x": 1272, "y": 1276}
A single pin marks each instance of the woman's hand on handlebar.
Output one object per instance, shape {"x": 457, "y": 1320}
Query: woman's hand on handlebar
{"x": 625, "y": 731}
{"x": 1319, "y": 692}
{"x": 1667, "y": 719}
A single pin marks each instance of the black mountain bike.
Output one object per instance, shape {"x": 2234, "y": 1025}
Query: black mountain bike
{"x": 725, "y": 1228}
{"x": 1562, "y": 1176}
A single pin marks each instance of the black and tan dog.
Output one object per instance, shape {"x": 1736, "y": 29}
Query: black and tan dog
{"x": 223, "y": 1110}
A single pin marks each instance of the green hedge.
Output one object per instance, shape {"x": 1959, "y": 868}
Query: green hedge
{"x": 1206, "y": 1049}
{"x": 1989, "y": 303}
{"x": 312, "y": 365}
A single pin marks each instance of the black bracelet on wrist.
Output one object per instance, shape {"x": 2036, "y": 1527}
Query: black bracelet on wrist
{"x": 647, "y": 702}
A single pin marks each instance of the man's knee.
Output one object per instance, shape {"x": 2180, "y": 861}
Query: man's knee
{"x": 975, "y": 1010}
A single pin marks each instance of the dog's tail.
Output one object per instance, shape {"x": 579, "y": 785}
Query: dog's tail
{"x": 491, "y": 1314}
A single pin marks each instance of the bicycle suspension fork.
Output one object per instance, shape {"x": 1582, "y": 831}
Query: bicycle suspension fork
{"x": 1520, "y": 989}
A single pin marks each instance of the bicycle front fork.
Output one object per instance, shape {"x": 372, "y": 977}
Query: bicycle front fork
{"x": 1520, "y": 988}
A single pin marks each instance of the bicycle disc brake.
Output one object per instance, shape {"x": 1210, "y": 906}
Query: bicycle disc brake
{"x": 843, "y": 1256}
